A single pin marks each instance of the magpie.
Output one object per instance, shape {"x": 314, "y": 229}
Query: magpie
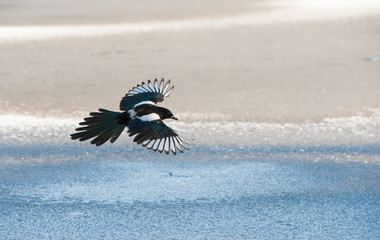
{"x": 140, "y": 115}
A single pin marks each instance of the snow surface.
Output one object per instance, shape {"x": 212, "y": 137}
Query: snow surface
{"x": 282, "y": 12}
{"x": 238, "y": 181}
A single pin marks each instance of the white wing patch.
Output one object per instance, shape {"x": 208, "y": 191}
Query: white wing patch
{"x": 152, "y": 87}
{"x": 131, "y": 113}
{"x": 144, "y": 102}
{"x": 149, "y": 117}
{"x": 166, "y": 145}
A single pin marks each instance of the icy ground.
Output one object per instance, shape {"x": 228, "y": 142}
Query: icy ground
{"x": 239, "y": 181}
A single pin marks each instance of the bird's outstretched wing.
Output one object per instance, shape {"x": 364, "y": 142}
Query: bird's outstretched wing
{"x": 155, "y": 135}
{"x": 155, "y": 91}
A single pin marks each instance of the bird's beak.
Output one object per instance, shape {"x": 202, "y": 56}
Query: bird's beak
{"x": 173, "y": 117}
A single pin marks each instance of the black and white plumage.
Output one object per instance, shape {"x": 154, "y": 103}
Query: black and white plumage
{"x": 140, "y": 115}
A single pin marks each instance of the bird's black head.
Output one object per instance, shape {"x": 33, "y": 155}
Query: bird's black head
{"x": 166, "y": 113}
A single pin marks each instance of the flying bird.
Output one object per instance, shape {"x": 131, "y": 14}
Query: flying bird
{"x": 140, "y": 115}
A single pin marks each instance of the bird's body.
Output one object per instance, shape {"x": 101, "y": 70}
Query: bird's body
{"x": 140, "y": 115}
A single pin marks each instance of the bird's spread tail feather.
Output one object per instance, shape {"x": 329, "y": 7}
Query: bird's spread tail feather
{"x": 102, "y": 125}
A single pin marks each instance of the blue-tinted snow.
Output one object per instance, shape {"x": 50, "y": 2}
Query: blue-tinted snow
{"x": 239, "y": 181}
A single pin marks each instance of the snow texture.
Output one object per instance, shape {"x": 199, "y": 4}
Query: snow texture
{"x": 238, "y": 181}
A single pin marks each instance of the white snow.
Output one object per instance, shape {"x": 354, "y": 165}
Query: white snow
{"x": 284, "y": 11}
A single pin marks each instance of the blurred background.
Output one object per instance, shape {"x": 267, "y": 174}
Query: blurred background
{"x": 246, "y": 60}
